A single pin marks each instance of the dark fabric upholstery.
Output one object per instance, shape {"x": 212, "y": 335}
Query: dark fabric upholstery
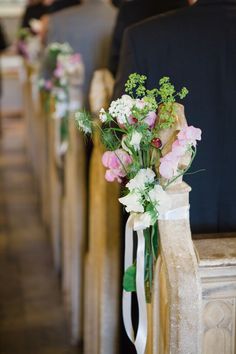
{"x": 196, "y": 47}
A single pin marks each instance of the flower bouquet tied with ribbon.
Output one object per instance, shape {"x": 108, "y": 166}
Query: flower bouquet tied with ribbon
{"x": 63, "y": 84}
{"x": 149, "y": 146}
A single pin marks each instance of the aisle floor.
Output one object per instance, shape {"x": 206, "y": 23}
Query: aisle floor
{"x": 32, "y": 320}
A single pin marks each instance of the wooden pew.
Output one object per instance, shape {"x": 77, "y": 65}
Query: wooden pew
{"x": 74, "y": 229}
{"x": 102, "y": 264}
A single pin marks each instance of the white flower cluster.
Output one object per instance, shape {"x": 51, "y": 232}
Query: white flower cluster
{"x": 142, "y": 192}
{"x": 121, "y": 108}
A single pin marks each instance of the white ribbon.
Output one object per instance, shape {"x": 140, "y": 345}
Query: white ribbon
{"x": 141, "y": 337}
{"x": 140, "y": 340}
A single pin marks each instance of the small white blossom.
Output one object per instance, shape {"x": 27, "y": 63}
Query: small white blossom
{"x": 135, "y": 140}
{"x": 143, "y": 177}
{"x": 133, "y": 203}
{"x": 160, "y": 199}
{"x": 102, "y": 115}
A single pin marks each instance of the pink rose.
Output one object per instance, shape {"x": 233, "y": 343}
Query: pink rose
{"x": 189, "y": 135}
{"x": 151, "y": 119}
{"x": 116, "y": 162}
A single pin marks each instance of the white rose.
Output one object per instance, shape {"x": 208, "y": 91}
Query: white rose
{"x": 132, "y": 203}
{"x": 135, "y": 140}
{"x": 143, "y": 177}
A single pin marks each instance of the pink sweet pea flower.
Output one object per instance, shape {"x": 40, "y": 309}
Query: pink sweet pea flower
{"x": 116, "y": 162}
{"x": 178, "y": 148}
{"x": 150, "y": 120}
{"x": 169, "y": 164}
{"x": 59, "y": 71}
{"x": 75, "y": 58}
{"x": 189, "y": 135}
{"x": 48, "y": 85}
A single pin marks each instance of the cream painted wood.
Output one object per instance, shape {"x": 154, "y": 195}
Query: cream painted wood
{"x": 102, "y": 267}
{"x": 74, "y": 228}
{"x": 36, "y": 118}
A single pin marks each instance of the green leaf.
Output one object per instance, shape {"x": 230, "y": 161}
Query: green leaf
{"x": 155, "y": 240}
{"x": 129, "y": 279}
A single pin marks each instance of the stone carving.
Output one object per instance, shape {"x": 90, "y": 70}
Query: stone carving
{"x": 219, "y": 319}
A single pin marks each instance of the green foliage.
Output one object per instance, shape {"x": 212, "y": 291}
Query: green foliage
{"x": 23, "y": 34}
{"x": 110, "y": 139}
{"x": 84, "y": 122}
{"x": 129, "y": 279}
{"x": 166, "y": 90}
{"x": 135, "y": 85}
{"x": 183, "y": 93}
{"x": 167, "y": 115}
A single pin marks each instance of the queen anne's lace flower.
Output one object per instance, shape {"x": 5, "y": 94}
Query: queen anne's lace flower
{"x": 121, "y": 109}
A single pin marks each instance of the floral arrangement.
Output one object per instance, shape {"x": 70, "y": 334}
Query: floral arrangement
{"x": 66, "y": 68}
{"x": 133, "y": 131}
{"x": 28, "y": 45}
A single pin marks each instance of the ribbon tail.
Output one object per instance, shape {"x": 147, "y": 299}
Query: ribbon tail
{"x": 127, "y": 296}
{"x": 141, "y": 338}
